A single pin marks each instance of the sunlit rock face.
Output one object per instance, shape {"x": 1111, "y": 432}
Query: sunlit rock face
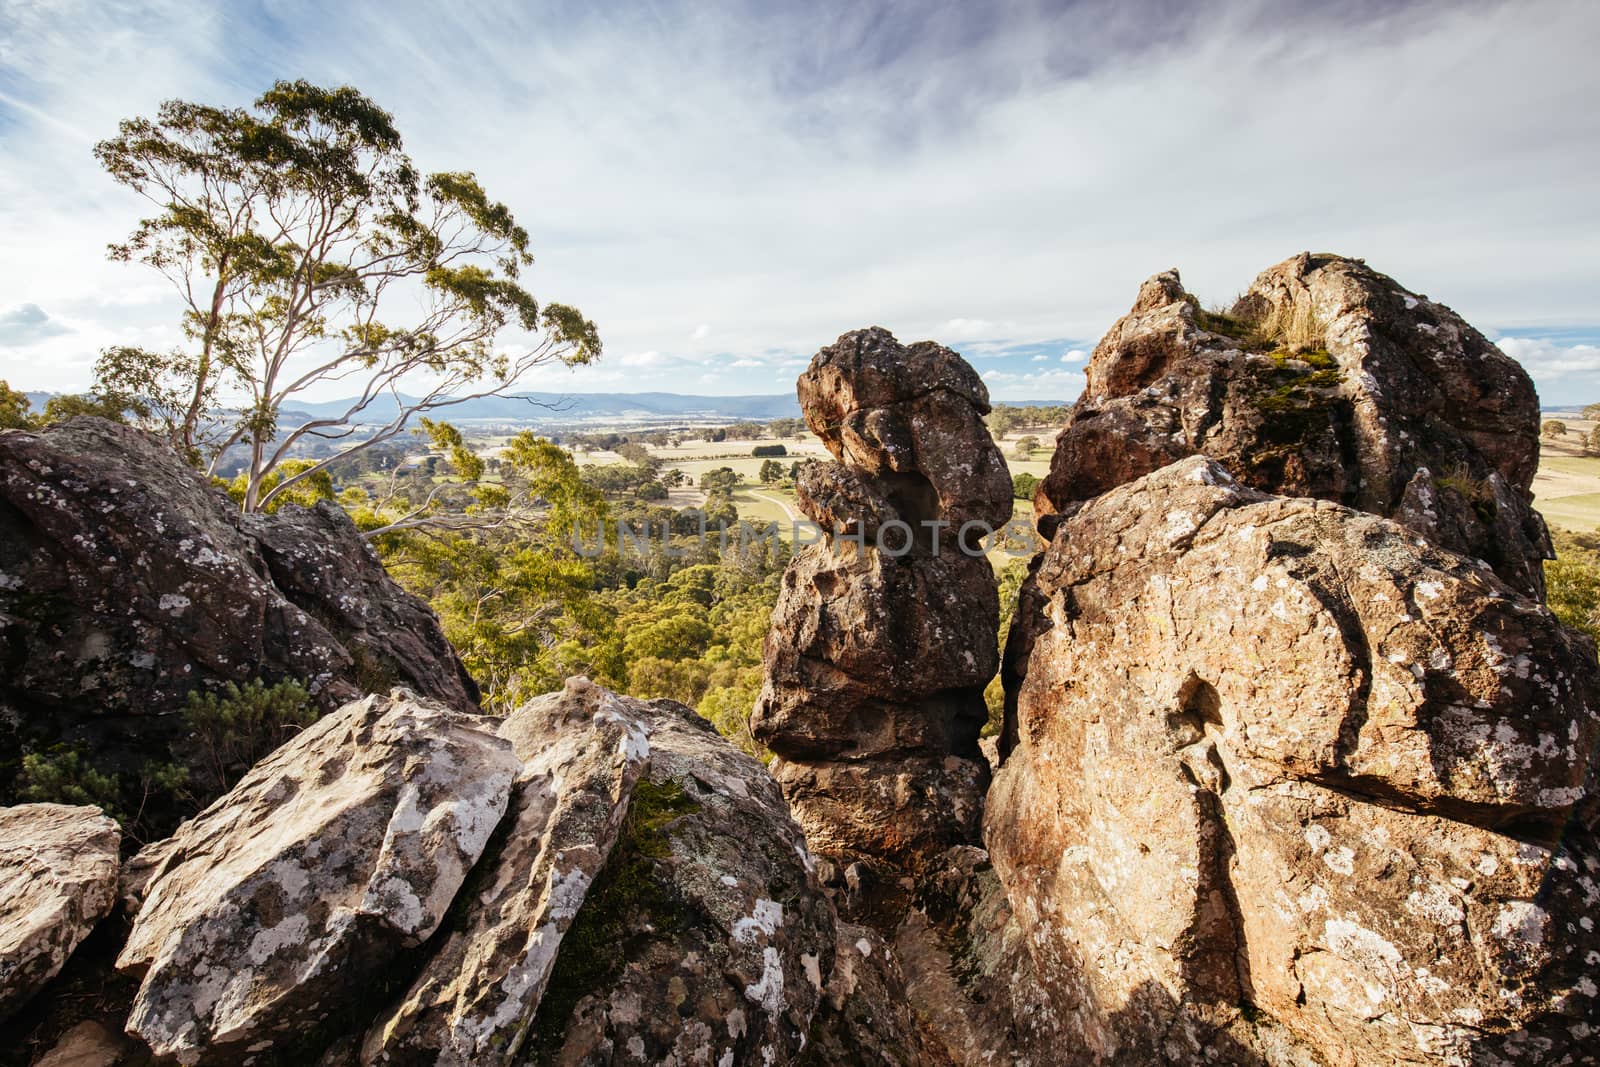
{"x": 58, "y": 878}
{"x": 1325, "y": 379}
{"x": 1297, "y": 766}
{"x": 884, "y": 634}
{"x": 594, "y": 879}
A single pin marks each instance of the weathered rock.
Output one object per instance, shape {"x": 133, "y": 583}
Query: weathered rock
{"x": 883, "y": 636}
{"x": 869, "y": 654}
{"x": 1276, "y": 767}
{"x": 127, "y": 582}
{"x": 911, "y": 416}
{"x": 58, "y": 878}
{"x": 706, "y": 938}
{"x": 89, "y": 1044}
{"x": 901, "y": 806}
{"x": 837, "y": 498}
{"x": 473, "y": 1003}
{"x": 271, "y": 915}
{"x": 318, "y": 560}
{"x": 1327, "y": 380}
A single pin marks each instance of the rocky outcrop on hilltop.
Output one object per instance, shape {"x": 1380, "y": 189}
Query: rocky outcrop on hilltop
{"x": 58, "y": 878}
{"x": 1326, "y": 379}
{"x": 127, "y": 582}
{"x": 1277, "y": 756}
{"x": 1297, "y": 766}
{"x": 882, "y": 639}
{"x": 593, "y": 879}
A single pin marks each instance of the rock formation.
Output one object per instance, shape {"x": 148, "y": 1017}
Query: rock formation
{"x": 1285, "y": 780}
{"x": 883, "y": 637}
{"x": 594, "y": 879}
{"x": 127, "y": 582}
{"x": 58, "y": 878}
{"x": 1297, "y": 769}
{"x": 1274, "y": 755}
{"x": 283, "y": 903}
{"x": 1326, "y": 379}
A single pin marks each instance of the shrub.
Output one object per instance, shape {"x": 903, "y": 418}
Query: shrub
{"x": 1023, "y": 485}
{"x": 769, "y": 450}
{"x": 65, "y": 777}
{"x": 236, "y": 727}
{"x": 1553, "y": 428}
{"x": 1572, "y": 582}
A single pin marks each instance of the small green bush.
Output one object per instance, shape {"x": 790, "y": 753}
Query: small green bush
{"x": 1572, "y": 582}
{"x": 65, "y": 777}
{"x": 235, "y": 727}
{"x": 1023, "y": 485}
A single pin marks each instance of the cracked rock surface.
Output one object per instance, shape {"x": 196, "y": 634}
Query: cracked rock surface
{"x": 58, "y": 878}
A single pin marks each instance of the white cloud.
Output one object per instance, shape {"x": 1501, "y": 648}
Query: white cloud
{"x": 651, "y": 358}
{"x": 966, "y": 329}
{"x": 809, "y": 174}
{"x": 28, "y": 324}
{"x": 1076, "y": 355}
{"x": 1564, "y": 374}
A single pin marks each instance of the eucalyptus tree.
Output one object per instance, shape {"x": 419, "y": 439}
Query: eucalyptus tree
{"x": 311, "y": 255}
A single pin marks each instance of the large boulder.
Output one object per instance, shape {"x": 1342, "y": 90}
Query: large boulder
{"x": 58, "y": 878}
{"x": 593, "y": 879}
{"x": 127, "y": 583}
{"x": 706, "y": 937}
{"x": 1277, "y": 766}
{"x": 911, "y": 416}
{"x": 884, "y": 634}
{"x": 282, "y": 908}
{"x": 1326, "y": 379}
{"x": 475, "y": 998}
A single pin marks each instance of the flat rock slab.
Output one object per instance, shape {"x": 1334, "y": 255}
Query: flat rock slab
{"x": 58, "y": 878}
{"x": 477, "y": 995}
{"x": 278, "y": 908}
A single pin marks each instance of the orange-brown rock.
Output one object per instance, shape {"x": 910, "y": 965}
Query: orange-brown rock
{"x": 1278, "y": 766}
{"x": 1326, "y": 379}
{"x": 883, "y": 636}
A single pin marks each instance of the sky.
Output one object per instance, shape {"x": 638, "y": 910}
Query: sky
{"x": 725, "y": 188}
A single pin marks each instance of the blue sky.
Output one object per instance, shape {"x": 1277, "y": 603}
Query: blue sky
{"x": 724, "y": 188}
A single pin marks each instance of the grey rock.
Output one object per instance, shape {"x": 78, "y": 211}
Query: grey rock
{"x": 58, "y": 878}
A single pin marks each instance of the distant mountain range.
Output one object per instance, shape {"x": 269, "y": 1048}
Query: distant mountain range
{"x": 568, "y": 409}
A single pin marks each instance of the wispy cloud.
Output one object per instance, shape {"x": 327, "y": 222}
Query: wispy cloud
{"x": 28, "y": 325}
{"x": 781, "y": 175}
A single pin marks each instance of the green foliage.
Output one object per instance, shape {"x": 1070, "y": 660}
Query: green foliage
{"x": 1009, "y": 579}
{"x": 1023, "y": 485}
{"x": 1572, "y": 582}
{"x": 771, "y": 471}
{"x": 1027, "y": 446}
{"x": 15, "y": 409}
{"x": 65, "y": 776}
{"x": 237, "y": 726}
{"x": 1001, "y": 419}
{"x": 769, "y": 450}
{"x": 637, "y": 454}
{"x": 299, "y": 235}
{"x": 1553, "y": 428}
{"x": 720, "y": 480}
{"x": 317, "y": 485}
{"x": 1460, "y": 479}
{"x": 628, "y": 898}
